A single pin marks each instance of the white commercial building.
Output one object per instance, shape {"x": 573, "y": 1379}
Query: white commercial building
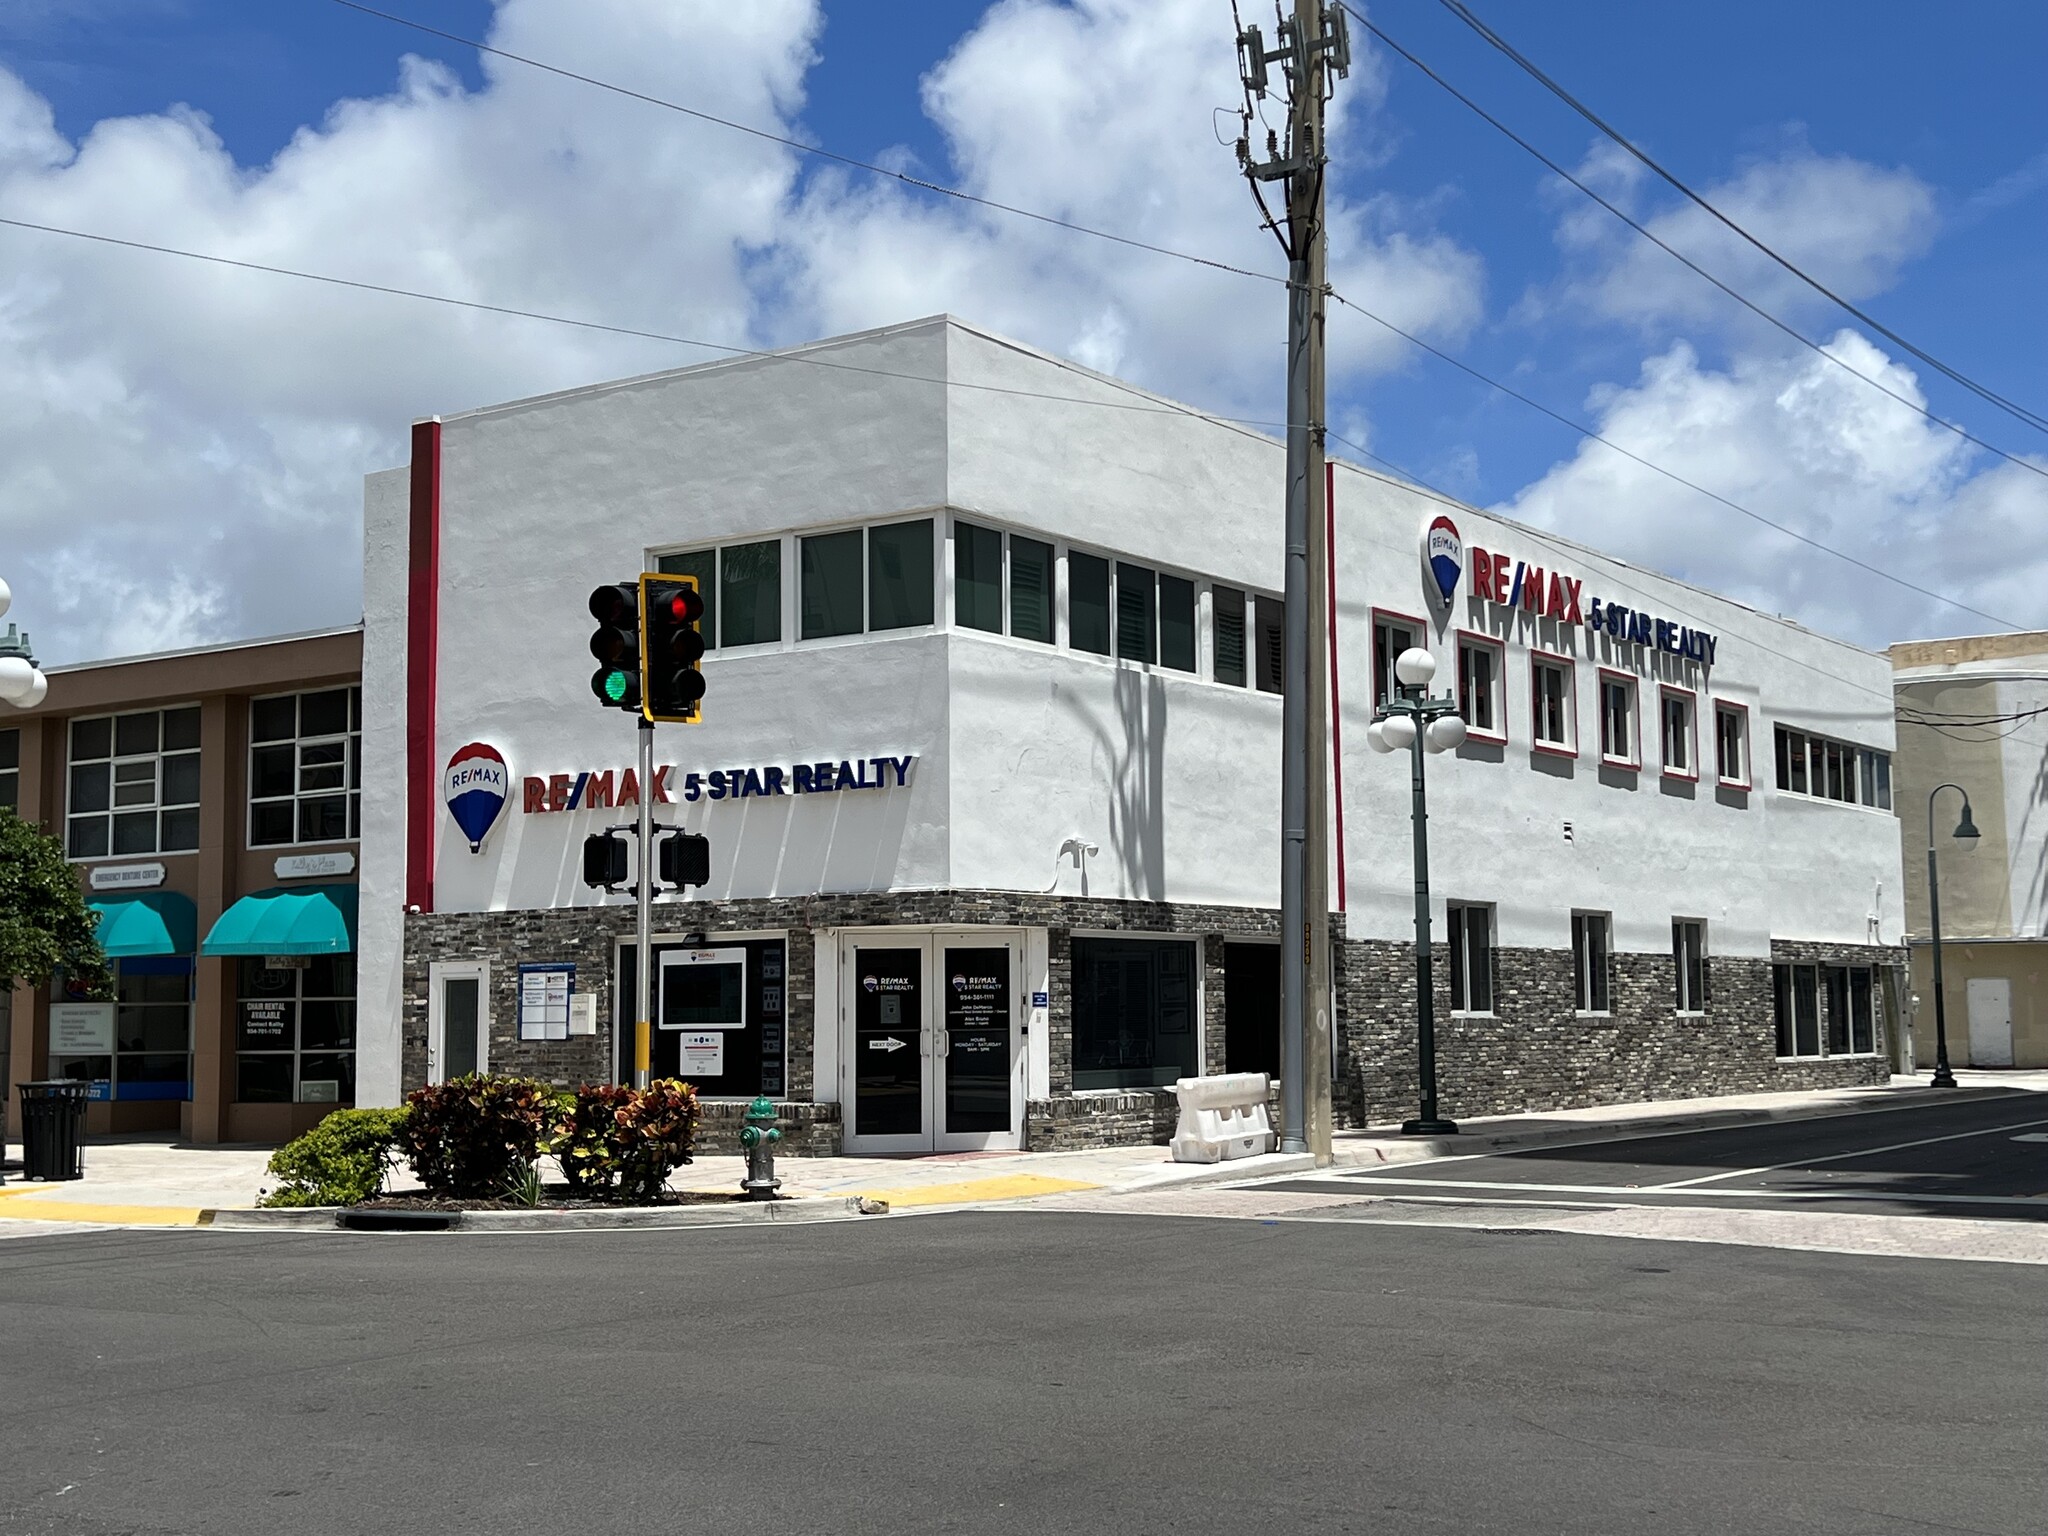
{"x": 990, "y": 768}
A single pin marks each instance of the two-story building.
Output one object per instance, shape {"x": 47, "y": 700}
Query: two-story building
{"x": 990, "y": 768}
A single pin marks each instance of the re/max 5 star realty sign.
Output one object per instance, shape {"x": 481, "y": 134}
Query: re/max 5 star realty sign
{"x": 594, "y": 789}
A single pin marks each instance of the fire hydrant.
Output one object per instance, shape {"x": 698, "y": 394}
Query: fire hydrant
{"x": 758, "y": 1137}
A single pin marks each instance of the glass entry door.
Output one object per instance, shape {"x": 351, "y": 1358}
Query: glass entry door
{"x": 933, "y": 1043}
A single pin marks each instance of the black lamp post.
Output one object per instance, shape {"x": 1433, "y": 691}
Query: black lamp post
{"x": 1965, "y": 829}
{"x": 1410, "y": 718}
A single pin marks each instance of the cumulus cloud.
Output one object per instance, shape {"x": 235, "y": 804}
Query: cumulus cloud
{"x": 1799, "y": 441}
{"x": 192, "y": 438}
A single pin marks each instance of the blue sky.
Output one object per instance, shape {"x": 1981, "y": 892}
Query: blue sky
{"x": 1905, "y": 160}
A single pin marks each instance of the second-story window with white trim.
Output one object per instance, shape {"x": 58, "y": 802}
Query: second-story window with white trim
{"x": 1618, "y": 720}
{"x": 134, "y": 784}
{"x": 1731, "y": 744}
{"x": 1674, "y": 710}
{"x": 1481, "y": 664}
{"x": 1550, "y": 688}
{"x": 306, "y": 767}
{"x": 741, "y": 585}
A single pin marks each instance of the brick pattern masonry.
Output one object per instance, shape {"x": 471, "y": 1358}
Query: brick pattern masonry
{"x": 1534, "y": 1053}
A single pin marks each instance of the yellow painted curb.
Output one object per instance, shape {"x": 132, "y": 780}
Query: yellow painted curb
{"x": 1015, "y": 1186}
{"x": 101, "y": 1215}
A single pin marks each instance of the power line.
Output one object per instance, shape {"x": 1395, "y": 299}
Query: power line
{"x": 1464, "y": 13}
{"x": 1160, "y": 408}
{"x": 1672, "y": 475}
{"x": 1146, "y": 405}
{"x": 812, "y": 149}
{"x": 1754, "y": 308}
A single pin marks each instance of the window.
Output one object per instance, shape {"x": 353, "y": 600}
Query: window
{"x": 1689, "y": 952}
{"x": 1176, "y": 623}
{"x": 1481, "y": 666}
{"x": 1591, "y": 974}
{"x": 134, "y": 784}
{"x": 295, "y": 1031}
{"x": 1031, "y": 589}
{"x": 305, "y": 767}
{"x": 152, "y": 1033}
{"x": 1850, "y": 1012}
{"x": 1088, "y": 603}
{"x": 1675, "y": 714}
{"x": 741, "y": 585}
{"x": 900, "y": 575}
{"x": 1227, "y": 649}
{"x": 1618, "y": 745}
{"x": 10, "y": 770}
{"x": 1270, "y": 614}
{"x": 977, "y": 578}
{"x": 1833, "y": 770}
{"x": 1137, "y": 634}
{"x": 1391, "y": 635}
{"x": 1550, "y": 686}
{"x": 754, "y": 1053}
{"x": 1731, "y": 745}
{"x": 1471, "y": 958}
{"x": 1134, "y": 1013}
{"x": 829, "y": 580}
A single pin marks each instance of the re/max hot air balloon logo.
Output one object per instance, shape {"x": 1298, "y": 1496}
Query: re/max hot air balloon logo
{"x": 1443, "y": 552}
{"x": 475, "y": 786}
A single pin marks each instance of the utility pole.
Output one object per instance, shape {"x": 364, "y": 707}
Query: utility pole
{"x": 1313, "y": 52}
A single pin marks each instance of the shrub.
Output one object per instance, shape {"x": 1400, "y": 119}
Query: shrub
{"x": 620, "y": 1141}
{"x": 341, "y": 1161}
{"x": 470, "y": 1138}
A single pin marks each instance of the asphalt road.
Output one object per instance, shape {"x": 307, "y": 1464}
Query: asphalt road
{"x": 1011, "y": 1372}
{"x": 1976, "y": 1159}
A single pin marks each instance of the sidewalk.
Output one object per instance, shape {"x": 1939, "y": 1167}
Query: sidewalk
{"x": 137, "y": 1182}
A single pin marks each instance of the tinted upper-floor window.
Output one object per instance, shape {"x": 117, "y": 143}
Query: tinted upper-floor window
{"x": 306, "y": 767}
{"x": 133, "y": 783}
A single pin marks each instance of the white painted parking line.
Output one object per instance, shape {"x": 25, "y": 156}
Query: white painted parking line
{"x": 1839, "y": 1157}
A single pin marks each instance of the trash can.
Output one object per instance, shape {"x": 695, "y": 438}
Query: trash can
{"x": 52, "y": 1123}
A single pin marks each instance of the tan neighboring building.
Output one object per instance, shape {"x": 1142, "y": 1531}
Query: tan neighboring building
{"x": 1974, "y": 712}
{"x": 211, "y": 802}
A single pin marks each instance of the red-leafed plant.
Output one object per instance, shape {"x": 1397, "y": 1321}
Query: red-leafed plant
{"x": 470, "y": 1138}
{"x": 622, "y": 1143}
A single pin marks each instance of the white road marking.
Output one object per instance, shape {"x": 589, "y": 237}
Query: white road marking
{"x": 1630, "y": 1192}
{"x": 1838, "y": 1157}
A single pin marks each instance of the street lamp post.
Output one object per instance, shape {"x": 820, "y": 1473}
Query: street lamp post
{"x": 1965, "y": 829}
{"x": 22, "y": 683}
{"x": 1410, "y": 718}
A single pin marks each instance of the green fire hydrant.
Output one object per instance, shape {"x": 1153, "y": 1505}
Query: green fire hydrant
{"x": 758, "y": 1137}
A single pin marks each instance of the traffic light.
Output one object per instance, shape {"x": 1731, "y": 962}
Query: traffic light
{"x": 685, "y": 859}
{"x": 672, "y": 681}
{"x": 604, "y": 860}
{"x": 616, "y": 645}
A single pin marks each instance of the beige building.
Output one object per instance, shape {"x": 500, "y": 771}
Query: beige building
{"x": 1973, "y": 712}
{"x": 210, "y": 801}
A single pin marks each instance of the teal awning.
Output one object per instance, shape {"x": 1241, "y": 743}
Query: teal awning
{"x": 147, "y": 923}
{"x": 305, "y": 920}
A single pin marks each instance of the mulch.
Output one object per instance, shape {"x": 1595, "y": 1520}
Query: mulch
{"x": 555, "y": 1198}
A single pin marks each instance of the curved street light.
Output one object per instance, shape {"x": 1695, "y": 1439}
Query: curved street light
{"x": 1966, "y": 831}
{"x": 22, "y": 683}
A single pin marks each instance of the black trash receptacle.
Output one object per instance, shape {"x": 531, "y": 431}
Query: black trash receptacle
{"x": 52, "y": 1129}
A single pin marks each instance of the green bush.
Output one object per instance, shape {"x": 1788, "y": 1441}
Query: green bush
{"x": 616, "y": 1141}
{"x": 470, "y": 1138}
{"x": 341, "y": 1161}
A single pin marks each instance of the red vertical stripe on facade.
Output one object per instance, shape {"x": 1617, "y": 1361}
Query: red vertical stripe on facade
{"x": 1336, "y": 700}
{"x": 422, "y": 658}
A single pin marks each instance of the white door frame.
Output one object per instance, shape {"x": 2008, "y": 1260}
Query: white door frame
{"x": 439, "y": 973}
{"x": 932, "y": 1043}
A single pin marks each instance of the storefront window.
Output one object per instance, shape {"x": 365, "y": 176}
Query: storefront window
{"x": 1471, "y": 928}
{"x": 1088, "y": 603}
{"x": 1689, "y": 953}
{"x": 1590, "y": 969}
{"x": 295, "y": 1029}
{"x": 152, "y": 1033}
{"x": 1134, "y": 1013}
{"x": 977, "y": 578}
{"x": 134, "y": 784}
{"x": 900, "y": 575}
{"x": 1031, "y": 576}
{"x": 1843, "y": 997}
{"x": 305, "y": 767}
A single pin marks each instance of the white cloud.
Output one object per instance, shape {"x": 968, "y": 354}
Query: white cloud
{"x": 190, "y": 438}
{"x": 1801, "y": 442}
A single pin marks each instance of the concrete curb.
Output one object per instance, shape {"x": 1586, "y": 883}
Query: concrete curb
{"x": 1387, "y": 1153}
{"x": 328, "y": 1217}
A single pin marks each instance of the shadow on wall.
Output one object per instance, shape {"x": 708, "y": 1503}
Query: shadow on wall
{"x": 1132, "y": 745}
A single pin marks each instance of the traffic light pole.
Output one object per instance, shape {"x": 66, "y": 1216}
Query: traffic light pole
{"x": 643, "y": 921}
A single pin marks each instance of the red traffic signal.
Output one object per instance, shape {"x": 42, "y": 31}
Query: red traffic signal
{"x": 672, "y": 683}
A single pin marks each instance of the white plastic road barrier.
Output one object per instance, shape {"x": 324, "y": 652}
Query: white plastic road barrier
{"x": 1222, "y": 1118}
